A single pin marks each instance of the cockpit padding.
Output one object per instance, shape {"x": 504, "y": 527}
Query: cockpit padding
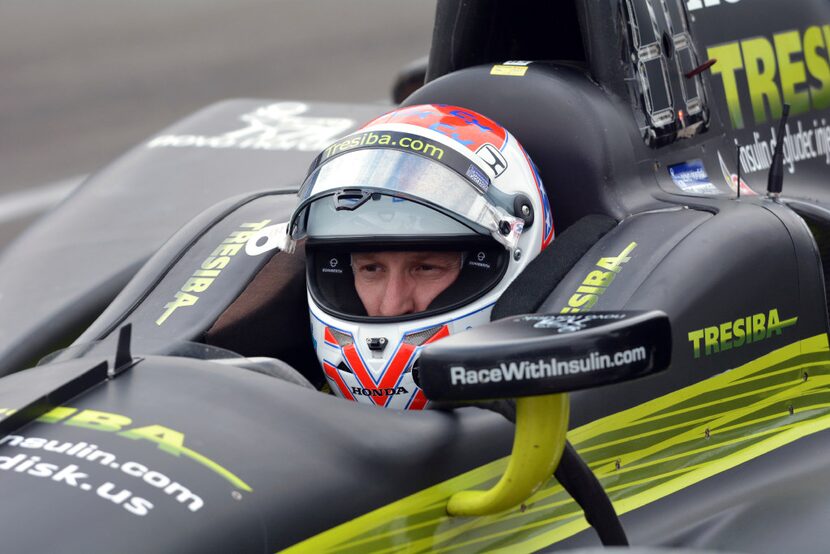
{"x": 270, "y": 317}
{"x": 533, "y": 286}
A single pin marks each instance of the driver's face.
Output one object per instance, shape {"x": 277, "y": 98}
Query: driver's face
{"x": 398, "y": 283}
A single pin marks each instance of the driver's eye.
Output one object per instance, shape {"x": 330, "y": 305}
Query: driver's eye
{"x": 430, "y": 271}
{"x": 369, "y": 270}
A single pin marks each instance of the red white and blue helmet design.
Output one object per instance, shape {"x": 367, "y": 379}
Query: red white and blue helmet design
{"x": 418, "y": 178}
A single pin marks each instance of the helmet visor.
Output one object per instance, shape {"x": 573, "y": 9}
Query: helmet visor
{"x": 354, "y": 179}
{"x": 381, "y": 217}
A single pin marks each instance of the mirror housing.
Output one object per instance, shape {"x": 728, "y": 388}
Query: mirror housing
{"x": 538, "y": 359}
{"x": 536, "y": 354}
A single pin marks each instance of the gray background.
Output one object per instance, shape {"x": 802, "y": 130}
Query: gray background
{"x": 81, "y": 81}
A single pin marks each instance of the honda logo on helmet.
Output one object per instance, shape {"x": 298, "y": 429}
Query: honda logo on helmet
{"x": 390, "y": 391}
{"x": 493, "y": 158}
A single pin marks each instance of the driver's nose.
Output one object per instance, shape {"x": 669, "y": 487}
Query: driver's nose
{"x": 399, "y": 296}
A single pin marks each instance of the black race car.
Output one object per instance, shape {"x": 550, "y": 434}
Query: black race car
{"x": 184, "y": 415}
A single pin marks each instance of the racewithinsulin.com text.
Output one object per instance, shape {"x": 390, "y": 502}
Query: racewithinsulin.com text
{"x": 546, "y": 368}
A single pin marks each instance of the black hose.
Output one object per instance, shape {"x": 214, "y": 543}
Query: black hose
{"x": 580, "y": 482}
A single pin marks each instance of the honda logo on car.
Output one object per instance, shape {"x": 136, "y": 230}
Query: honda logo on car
{"x": 542, "y": 369}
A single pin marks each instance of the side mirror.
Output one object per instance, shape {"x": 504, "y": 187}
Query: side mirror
{"x": 538, "y": 359}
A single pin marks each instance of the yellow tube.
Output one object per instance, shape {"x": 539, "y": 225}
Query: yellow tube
{"x": 541, "y": 426}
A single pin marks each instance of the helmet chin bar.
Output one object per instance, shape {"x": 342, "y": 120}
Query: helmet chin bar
{"x": 538, "y": 359}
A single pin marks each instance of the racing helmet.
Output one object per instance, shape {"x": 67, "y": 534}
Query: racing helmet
{"x": 426, "y": 178}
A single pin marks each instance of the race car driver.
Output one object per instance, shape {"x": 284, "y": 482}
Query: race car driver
{"x": 414, "y": 226}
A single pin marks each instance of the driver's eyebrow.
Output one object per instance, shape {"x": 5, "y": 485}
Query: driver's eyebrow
{"x": 442, "y": 257}
{"x": 364, "y": 257}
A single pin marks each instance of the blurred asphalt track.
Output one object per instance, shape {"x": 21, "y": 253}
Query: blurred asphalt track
{"x": 82, "y": 81}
